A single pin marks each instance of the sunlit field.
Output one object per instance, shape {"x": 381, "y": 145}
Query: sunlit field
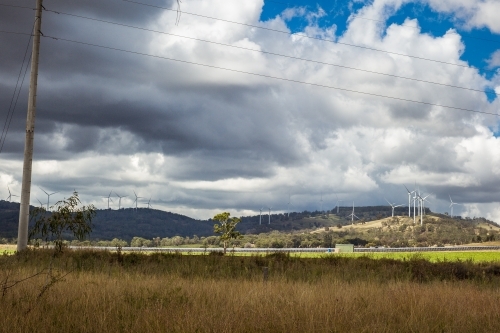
{"x": 85, "y": 291}
{"x": 6, "y": 248}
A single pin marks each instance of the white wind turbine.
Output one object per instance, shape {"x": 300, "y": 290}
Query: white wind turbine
{"x": 120, "y": 200}
{"x": 421, "y": 201}
{"x": 149, "y": 205}
{"x": 269, "y": 215}
{"x": 321, "y": 204}
{"x": 260, "y": 216}
{"x": 424, "y": 199}
{"x": 48, "y": 196}
{"x": 392, "y": 205}
{"x": 338, "y": 201}
{"x": 136, "y": 198}
{"x": 452, "y": 204}
{"x": 415, "y": 196}
{"x": 409, "y": 199}
{"x": 288, "y": 205}
{"x": 11, "y": 195}
{"x": 352, "y": 214}
{"x": 109, "y": 198}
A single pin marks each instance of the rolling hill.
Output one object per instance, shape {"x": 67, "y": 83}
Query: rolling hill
{"x": 375, "y": 226}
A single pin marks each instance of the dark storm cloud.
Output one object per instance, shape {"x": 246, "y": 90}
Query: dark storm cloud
{"x": 61, "y": 63}
{"x": 89, "y": 89}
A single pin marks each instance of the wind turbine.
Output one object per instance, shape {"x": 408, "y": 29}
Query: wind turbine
{"x": 260, "y": 218}
{"x": 269, "y": 215}
{"x": 409, "y": 200}
{"x": 338, "y": 203}
{"x": 41, "y": 204}
{"x": 120, "y": 200}
{"x": 452, "y": 204}
{"x": 10, "y": 195}
{"x": 288, "y": 208}
{"x": 352, "y": 214}
{"x": 149, "y": 205}
{"x": 424, "y": 199}
{"x": 392, "y": 205}
{"x": 48, "y": 196}
{"x": 136, "y": 197}
{"x": 109, "y": 198}
{"x": 415, "y": 203}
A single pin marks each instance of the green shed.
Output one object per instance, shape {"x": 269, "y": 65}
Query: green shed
{"x": 345, "y": 247}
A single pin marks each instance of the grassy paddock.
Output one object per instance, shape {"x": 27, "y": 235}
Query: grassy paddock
{"x": 7, "y": 248}
{"x": 476, "y": 256}
{"x": 178, "y": 293}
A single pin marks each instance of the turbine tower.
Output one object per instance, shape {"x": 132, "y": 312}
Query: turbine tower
{"x": 338, "y": 203}
{"x": 136, "y": 198}
{"x": 120, "y": 200}
{"x": 288, "y": 204}
{"x": 352, "y": 214}
{"x": 269, "y": 215}
{"x": 452, "y": 204}
{"x": 321, "y": 204}
{"x": 149, "y": 204}
{"x": 409, "y": 200}
{"x": 392, "y": 205}
{"x": 109, "y": 198}
{"x": 48, "y": 196}
{"x": 260, "y": 217}
{"x": 41, "y": 204}
{"x": 424, "y": 199}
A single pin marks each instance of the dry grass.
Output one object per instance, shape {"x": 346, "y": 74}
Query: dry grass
{"x": 7, "y": 247}
{"x": 224, "y": 294}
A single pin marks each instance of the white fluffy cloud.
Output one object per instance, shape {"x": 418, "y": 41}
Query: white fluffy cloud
{"x": 474, "y": 13}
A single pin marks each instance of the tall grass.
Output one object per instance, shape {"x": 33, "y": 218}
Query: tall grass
{"x": 174, "y": 293}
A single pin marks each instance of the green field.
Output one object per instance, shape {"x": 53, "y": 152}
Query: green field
{"x": 485, "y": 256}
{"x": 474, "y": 256}
{"x": 8, "y": 249}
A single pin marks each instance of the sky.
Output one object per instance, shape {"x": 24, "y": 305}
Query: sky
{"x": 236, "y": 105}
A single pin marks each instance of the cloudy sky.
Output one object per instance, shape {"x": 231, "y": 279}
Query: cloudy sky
{"x": 237, "y": 104}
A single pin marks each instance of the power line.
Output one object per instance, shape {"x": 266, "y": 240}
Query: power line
{"x": 14, "y": 32}
{"x": 307, "y": 36}
{"x": 16, "y": 6}
{"x": 11, "y": 110}
{"x": 267, "y": 52}
{"x": 270, "y": 76}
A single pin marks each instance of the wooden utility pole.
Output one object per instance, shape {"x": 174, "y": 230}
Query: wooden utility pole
{"x": 22, "y": 235}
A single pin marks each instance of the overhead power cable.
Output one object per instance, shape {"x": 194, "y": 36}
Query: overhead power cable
{"x": 267, "y": 52}
{"x": 307, "y": 36}
{"x": 16, "y": 6}
{"x": 303, "y": 35}
{"x": 14, "y": 99}
{"x": 269, "y": 76}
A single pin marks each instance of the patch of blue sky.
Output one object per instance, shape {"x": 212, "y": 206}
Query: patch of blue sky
{"x": 479, "y": 43}
{"x": 336, "y": 13}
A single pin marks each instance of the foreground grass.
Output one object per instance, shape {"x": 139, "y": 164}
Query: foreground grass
{"x": 100, "y": 291}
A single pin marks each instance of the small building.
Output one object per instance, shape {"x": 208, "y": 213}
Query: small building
{"x": 344, "y": 248}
